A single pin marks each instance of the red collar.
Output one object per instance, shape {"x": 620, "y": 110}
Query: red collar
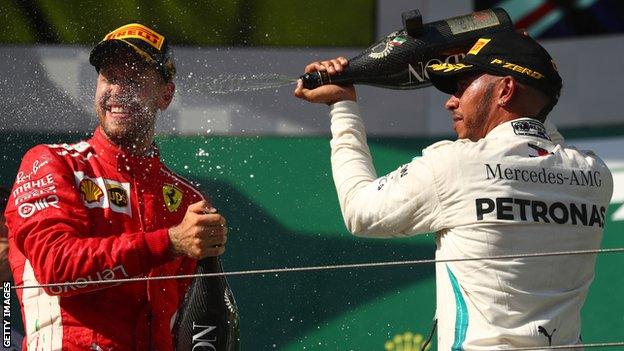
{"x": 124, "y": 161}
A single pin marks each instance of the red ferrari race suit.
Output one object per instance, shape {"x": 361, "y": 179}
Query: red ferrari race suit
{"x": 91, "y": 212}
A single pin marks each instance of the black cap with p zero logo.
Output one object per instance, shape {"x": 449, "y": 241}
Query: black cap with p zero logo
{"x": 139, "y": 39}
{"x": 503, "y": 54}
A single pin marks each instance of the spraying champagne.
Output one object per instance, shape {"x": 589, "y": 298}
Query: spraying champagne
{"x": 398, "y": 61}
{"x": 208, "y": 318}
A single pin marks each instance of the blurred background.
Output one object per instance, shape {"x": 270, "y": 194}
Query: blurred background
{"x": 263, "y": 156}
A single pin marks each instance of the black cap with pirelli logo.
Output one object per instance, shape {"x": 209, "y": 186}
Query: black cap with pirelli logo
{"x": 139, "y": 39}
{"x": 503, "y": 54}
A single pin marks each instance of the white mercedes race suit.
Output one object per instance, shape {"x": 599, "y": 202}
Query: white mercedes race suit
{"x": 512, "y": 192}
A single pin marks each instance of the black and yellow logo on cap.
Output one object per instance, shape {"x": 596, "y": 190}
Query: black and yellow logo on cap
{"x": 139, "y": 31}
{"x": 173, "y": 197}
{"x": 480, "y": 44}
{"x": 517, "y": 68}
{"x": 448, "y": 67}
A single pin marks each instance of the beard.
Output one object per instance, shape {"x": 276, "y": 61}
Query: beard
{"x": 477, "y": 125}
{"x": 488, "y": 95}
{"x": 129, "y": 132}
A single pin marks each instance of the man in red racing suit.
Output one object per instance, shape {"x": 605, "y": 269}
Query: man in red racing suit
{"x": 104, "y": 209}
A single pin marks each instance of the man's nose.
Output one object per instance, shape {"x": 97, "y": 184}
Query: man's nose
{"x": 452, "y": 103}
{"x": 121, "y": 86}
{"x": 117, "y": 88}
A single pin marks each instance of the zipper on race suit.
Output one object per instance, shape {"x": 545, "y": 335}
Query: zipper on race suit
{"x": 140, "y": 205}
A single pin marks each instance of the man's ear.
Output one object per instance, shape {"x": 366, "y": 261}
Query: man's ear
{"x": 166, "y": 95}
{"x": 508, "y": 87}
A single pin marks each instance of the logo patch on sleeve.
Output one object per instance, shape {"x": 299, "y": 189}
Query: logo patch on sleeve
{"x": 540, "y": 151}
{"x": 530, "y": 128}
{"x": 91, "y": 192}
{"x": 116, "y": 195}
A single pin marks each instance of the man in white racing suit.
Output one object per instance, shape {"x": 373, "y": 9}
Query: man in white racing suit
{"x": 507, "y": 186}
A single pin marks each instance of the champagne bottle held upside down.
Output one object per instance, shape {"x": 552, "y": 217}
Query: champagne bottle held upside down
{"x": 208, "y": 318}
{"x": 398, "y": 61}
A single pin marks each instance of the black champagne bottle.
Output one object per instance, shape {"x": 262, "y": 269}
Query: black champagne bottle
{"x": 208, "y": 318}
{"x": 398, "y": 61}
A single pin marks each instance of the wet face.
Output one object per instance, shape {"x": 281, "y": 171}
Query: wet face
{"x": 471, "y": 106}
{"x": 127, "y": 97}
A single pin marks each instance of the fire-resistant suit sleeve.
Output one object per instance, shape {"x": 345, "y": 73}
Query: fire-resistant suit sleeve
{"x": 401, "y": 203}
{"x": 553, "y": 133}
{"x": 51, "y": 229}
